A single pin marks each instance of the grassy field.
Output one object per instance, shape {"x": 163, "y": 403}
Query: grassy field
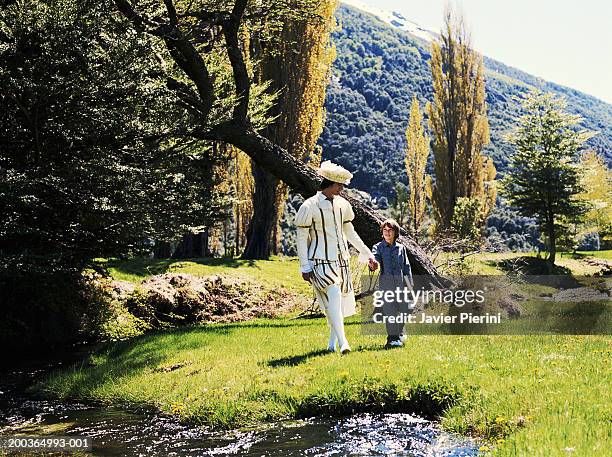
{"x": 597, "y": 254}
{"x": 276, "y": 272}
{"x": 488, "y": 263}
{"x": 524, "y": 395}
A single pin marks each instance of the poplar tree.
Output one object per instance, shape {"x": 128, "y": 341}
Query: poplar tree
{"x": 543, "y": 179}
{"x": 458, "y": 120}
{"x": 417, "y": 153}
{"x": 296, "y": 63}
{"x": 597, "y": 191}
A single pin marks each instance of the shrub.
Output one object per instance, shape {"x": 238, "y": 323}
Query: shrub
{"x": 106, "y": 317}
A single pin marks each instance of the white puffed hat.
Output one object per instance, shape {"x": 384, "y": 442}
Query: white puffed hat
{"x": 335, "y": 173}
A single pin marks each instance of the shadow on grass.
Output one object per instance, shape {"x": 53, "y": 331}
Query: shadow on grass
{"x": 527, "y": 265}
{"x": 583, "y": 318}
{"x": 123, "y": 359}
{"x": 535, "y": 271}
{"x": 129, "y": 358}
{"x": 429, "y": 401}
{"x": 295, "y": 360}
{"x": 146, "y": 267}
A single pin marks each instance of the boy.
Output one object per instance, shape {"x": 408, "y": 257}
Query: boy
{"x": 395, "y": 273}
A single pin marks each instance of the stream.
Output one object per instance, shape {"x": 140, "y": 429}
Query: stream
{"x": 145, "y": 432}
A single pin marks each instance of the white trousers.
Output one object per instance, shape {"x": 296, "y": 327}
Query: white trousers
{"x": 335, "y": 319}
{"x": 332, "y": 286}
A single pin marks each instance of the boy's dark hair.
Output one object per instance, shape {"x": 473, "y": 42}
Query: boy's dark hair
{"x": 325, "y": 184}
{"x": 392, "y": 224}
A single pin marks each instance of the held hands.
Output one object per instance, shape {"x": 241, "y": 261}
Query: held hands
{"x": 372, "y": 264}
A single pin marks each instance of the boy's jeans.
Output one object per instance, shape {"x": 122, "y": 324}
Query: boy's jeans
{"x": 394, "y": 329}
{"x": 394, "y": 308}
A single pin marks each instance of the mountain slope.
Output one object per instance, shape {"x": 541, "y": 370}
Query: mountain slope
{"x": 378, "y": 69}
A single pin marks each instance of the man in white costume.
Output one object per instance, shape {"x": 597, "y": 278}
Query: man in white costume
{"x": 324, "y": 225}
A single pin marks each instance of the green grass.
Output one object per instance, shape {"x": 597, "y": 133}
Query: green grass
{"x": 525, "y": 395}
{"x": 597, "y": 254}
{"x": 528, "y": 395}
{"x": 276, "y": 272}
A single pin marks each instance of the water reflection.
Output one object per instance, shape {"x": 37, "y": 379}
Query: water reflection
{"x": 118, "y": 432}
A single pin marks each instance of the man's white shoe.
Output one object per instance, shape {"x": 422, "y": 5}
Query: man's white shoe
{"x": 345, "y": 349}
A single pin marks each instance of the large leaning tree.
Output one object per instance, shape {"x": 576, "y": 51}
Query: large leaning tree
{"x": 196, "y": 35}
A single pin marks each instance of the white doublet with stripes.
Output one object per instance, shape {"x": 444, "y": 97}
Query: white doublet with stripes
{"x": 324, "y": 230}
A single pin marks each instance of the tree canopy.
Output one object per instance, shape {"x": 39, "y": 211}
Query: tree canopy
{"x": 544, "y": 179}
{"x": 94, "y": 157}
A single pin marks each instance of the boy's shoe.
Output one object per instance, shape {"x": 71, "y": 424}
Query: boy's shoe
{"x": 394, "y": 344}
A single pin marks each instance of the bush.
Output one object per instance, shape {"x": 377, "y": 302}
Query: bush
{"x": 106, "y": 316}
{"x": 466, "y": 219}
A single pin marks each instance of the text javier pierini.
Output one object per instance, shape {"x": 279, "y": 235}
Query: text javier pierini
{"x": 423, "y": 318}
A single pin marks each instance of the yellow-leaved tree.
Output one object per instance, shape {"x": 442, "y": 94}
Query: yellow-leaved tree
{"x": 296, "y": 61}
{"x": 417, "y": 152}
{"x": 596, "y": 181}
{"x": 458, "y": 121}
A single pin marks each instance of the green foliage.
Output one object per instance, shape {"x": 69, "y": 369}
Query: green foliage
{"x": 543, "y": 179}
{"x": 417, "y": 153}
{"x": 92, "y": 156}
{"x": 466, "y": 219}
{"x": 507, "y": 229}
{"x": 376, "y": 72}
{"x": 106, "y": 317}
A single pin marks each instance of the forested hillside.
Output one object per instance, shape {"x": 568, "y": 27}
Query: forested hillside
{"x": 377, "y": 70}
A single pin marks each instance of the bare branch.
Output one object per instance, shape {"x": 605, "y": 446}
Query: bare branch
{"x": 186, "y": 94}
{"x": 141, "y": 23}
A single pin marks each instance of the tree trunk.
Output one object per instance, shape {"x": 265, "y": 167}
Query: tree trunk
{"x": 305, "y": 180}
{"x": 552, "y": 247}
{"x": 162, "y": 250}
{"x": 193, "y": 245}
{"x": 262, "y": 224}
